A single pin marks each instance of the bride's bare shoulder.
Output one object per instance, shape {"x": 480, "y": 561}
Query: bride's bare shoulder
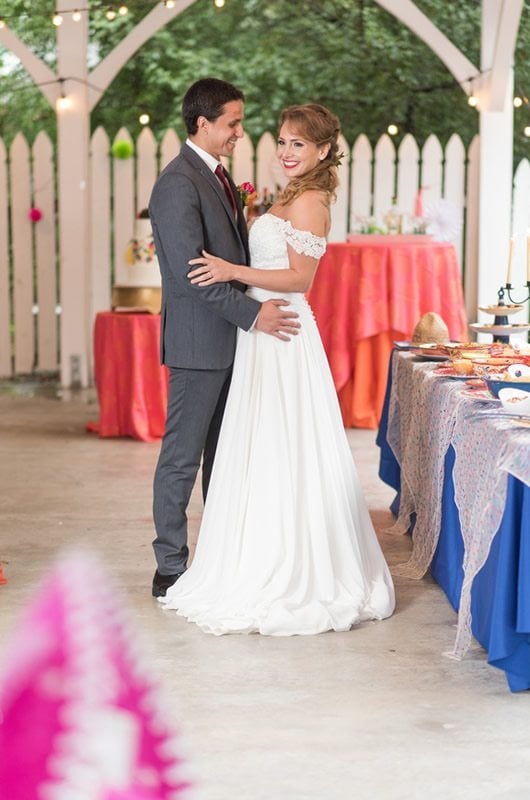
{"x": 310, "y": 212}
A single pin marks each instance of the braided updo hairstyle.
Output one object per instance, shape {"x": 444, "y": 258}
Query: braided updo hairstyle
{"x": 316, "y": 124}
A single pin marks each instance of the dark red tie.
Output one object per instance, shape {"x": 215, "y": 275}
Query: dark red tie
{"x": 220, "y": 172}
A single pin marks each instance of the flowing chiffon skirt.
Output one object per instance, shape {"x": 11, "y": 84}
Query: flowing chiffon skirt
{"x": 286, "y": 544}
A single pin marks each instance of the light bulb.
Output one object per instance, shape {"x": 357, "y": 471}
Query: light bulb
{"x": 527, "y": 130}
{"x": 518, "y": 102}
{"x": 63, "y": 103}
{"x": 392, "y": 129}
{"x": 123, "y": 10}
{"x": 111, "y": 14}
{"x": 2, "y": 23}
{"x": 472, "y": 101}
{"x": 76, "y": 16}
{"x": 169, "y": 3}
{"x": 143, "y": 119}
{"x": 219, "y": 3}
{"x": 57, "y": 20}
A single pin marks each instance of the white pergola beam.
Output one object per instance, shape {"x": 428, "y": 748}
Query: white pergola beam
{"x": 105, "y": 72}
{"x": 456, "y": 62}
{"x": 33, "y": 65}
{"x": 508, "y": 19}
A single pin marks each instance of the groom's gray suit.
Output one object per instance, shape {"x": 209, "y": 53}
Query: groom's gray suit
{"x": 190, "y": 212}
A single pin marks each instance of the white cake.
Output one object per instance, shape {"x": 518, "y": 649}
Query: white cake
{"x": 142, "y": 263}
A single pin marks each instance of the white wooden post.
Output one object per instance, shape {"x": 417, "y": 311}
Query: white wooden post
{"x": 361, "y": 180}
{"x": 100, "y": 224}
{"x": 472, "y": 217}
{"x": 124, "y": 213}
{"x": 408, "y": 174}
{"x": 454, "y": 183}
{"x": 496, "y": 161}
{"x": 146, "y": 168}
{"x": 45, "y": 253}
{"x": 169, "y": 148}
{"x": 73, "y": 180}
{"x": 339, "y": 209}
{"x": 384, "y": 176}
{"x": 22, "y": 256}
{"x": 5, "y": 338}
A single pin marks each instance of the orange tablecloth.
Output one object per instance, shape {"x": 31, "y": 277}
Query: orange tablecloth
{"x": 131, "y": 383}
{"x": 371, "y": 290}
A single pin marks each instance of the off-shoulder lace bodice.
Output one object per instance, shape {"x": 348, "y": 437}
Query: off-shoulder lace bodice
{"x": 269, "y": 237}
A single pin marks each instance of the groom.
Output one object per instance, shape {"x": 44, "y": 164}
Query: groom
{"x": 194, "y": 207}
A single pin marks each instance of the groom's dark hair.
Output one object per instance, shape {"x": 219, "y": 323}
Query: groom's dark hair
{"x": 206, "y": 98}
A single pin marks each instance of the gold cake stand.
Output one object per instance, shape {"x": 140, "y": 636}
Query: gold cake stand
{"x": 137, "y": 298}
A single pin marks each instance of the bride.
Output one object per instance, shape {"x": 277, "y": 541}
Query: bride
{"x": 286, "y": 544}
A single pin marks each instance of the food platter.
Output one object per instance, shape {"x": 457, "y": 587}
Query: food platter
{"x": 501, "y": 330}
{"x": 501, "y": 311}
{"x": 426, "y": 356}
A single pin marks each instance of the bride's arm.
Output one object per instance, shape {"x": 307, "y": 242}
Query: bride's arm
{"x": 306, "y": 213}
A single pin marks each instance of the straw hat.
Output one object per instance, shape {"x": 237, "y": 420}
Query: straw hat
{"x": 430, "y": 328}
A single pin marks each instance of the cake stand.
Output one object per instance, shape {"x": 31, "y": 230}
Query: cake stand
{"x": 500, "y": 328}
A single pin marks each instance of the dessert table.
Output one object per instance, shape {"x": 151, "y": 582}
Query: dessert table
{"x": 462, "y": 474}
{"x": 130, "y": 382}
{"x": 371, "y": 291}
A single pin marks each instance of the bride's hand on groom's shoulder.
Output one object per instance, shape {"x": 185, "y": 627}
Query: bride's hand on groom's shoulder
{"x": 210, "y": 269}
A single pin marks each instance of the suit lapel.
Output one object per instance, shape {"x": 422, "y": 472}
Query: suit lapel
{"x": 239, "y": 225}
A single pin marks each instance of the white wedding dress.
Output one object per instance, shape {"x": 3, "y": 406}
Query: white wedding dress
{"x": 286, "y": 544}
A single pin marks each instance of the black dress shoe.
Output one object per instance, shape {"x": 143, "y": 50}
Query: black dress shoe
{"x": 161, "y": 583}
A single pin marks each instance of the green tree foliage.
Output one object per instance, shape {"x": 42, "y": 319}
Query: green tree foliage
{"x": 348, "y": 54}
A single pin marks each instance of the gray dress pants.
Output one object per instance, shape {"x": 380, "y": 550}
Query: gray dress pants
{"x": 196, "y": 404}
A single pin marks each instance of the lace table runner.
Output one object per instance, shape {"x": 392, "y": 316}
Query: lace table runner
{"x": 426, "y": 415}
{"x": 421, "y": 419}
{"x": 486, "y": 451}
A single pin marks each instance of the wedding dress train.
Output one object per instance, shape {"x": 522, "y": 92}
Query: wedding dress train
{"x": 286, "y": 544}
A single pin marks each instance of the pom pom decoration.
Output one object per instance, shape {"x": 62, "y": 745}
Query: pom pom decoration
{"x": 443, "y": 221}
{"x": 34, "y": 214}
{"x": 123, "y": 149}
{"x": 82, "y": 715}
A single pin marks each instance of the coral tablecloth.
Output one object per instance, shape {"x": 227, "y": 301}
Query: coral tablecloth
{"x": 131, "y": 383}
{"x": 371, "y": 290}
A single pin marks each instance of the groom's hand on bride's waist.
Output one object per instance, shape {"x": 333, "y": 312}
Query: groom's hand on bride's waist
{"x": 272, "y": 319}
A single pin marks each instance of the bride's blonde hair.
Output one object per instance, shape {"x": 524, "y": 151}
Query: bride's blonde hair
{"x": 318, "y": 125}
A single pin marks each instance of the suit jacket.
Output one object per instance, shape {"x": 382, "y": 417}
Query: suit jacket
{"x": 190, "y": 212}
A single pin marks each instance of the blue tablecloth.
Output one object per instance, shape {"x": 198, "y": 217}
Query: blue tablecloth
{"x": 500, "y": 597}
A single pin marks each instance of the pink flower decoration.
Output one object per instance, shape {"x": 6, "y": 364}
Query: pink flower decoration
{"x": 34, "y": 214}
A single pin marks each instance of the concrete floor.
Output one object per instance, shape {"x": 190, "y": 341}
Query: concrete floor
{"x": 374, "y": 714}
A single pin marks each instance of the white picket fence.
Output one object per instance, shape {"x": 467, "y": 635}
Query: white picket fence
{"x": 370, "y": 178}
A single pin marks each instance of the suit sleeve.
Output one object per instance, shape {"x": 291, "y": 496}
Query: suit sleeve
{"x": 179, "y": 234}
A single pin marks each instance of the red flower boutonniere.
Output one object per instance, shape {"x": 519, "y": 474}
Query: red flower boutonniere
{"x": 247, "y": 193}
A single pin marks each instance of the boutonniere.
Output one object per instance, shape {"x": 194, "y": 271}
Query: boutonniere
{"x": 247, "y": 193}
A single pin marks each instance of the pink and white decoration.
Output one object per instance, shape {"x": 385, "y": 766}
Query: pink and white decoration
{"x": 81, "y": 715}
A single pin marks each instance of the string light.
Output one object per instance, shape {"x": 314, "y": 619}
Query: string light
{"x": 392, "y": 129}
{"x": 143, "y": 119}
{"x": 169, "y": 3}
{"x": 219, "y": 3}
{"x": 63, "y": 102}
{"x": 527, "y": 130}
{"x": 2, "y": 23}
{"x": 57, "y": 20}
{"x": 123, "y": 10}
{"x": 110, "y": 14}
{"x": 472, "y": 101}
{"x": 517, "y": 101}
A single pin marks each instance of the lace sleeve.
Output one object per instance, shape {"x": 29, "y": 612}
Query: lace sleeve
{"x": 304, "y": 242}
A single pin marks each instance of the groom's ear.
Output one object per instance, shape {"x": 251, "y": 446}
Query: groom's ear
{"x": 202, "y": 124}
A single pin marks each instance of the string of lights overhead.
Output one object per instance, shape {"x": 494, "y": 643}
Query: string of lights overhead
{"x": 111, "y": 10}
